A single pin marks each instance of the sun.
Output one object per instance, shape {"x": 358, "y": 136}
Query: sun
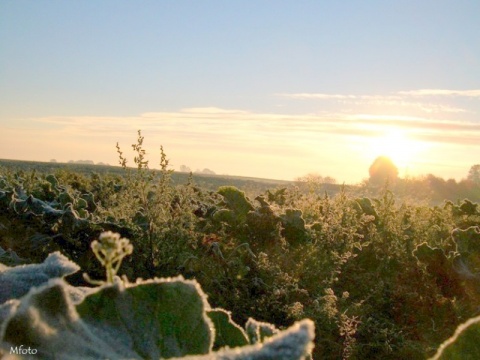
{"x": 396, "y": 145}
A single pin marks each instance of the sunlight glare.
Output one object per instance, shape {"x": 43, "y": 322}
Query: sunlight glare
{"x": 396, "y": 145}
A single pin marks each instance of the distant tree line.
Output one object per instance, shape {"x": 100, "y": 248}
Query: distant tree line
{"x": 383, "y": 172}
{"x": 85, "y": 162}
{"x": 186, "y": 169}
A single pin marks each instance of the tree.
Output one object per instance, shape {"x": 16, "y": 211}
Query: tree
{"x": 208, "y": 172}
{"x": 383, "y": 169}
{"x": 316, "y": 178}
{"x": 314, "y": 182}
{"x": 205, "y": 171}
{"x": 184, "y": 168}
{"x": 474, "y": 174}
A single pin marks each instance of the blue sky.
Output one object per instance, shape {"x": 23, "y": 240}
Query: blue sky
{"x": 272, "y": 89}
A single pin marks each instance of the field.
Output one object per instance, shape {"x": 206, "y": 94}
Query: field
{"x": 380, "y": 274}
{"x": 252, "y": 186}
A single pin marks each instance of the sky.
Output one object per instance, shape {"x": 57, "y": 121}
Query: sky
{"x": 271, "y": 89}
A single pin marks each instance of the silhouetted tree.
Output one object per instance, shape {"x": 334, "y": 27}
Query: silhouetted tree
{"x": 474, "y": 174}
{"x": 184, "y": 168}
{"x": 316, "y": 178}
{"x": 205, "y": 171}
{"x": 381, "y": 170}
{"x": 313, "y": 181}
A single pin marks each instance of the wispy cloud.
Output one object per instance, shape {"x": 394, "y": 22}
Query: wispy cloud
{"x": 396, "y": 96}
{"x": 339, "y": 96}
{"x": 442, "y": 92}
{"x": 402, "y": 99}
{"x": 216, "y": 125}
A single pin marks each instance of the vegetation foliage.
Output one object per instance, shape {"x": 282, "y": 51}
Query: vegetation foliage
{"x": 380, "y": 276}
{"x": 111, "y": 322}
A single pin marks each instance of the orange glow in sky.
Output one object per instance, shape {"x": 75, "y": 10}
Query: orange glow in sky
{"x": 399, "y": 147}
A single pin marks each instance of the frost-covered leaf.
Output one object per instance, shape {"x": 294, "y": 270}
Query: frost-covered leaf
{"x": 468, "y": 246}
{"x": 7, "y": 309}
{"x": 439, "y": 265}
{"x": 158, "y": 318}
{"x": 46, "y": 320}
{"x": 258, "y": 331}
{"x": 236, "y": 201}
{"x": 17, "y": 281}
{"x": 294, "y": 225}
{"x": 464, "y": 344}
{"x": 40, "y": 207}
{"x": 224, "y": 215}
{"x": 227, "y": 333}
{"x": 150, "y": 320}
{"x": 295, "y": 343}
{"x": 52, "y": 180}
{"x": 10, "y": 258}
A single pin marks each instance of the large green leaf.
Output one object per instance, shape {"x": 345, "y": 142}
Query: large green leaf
{"x": 158, "y": 317}
{"x": 236, "y": 201}
{"x": 295, "y": 343}
{"x": 17, "y": 281}
{"x": 227, "y": 333}
{"x": 150, "y": 320}
{"x": 258, "y": 331}
{"x": 464, "y": 344}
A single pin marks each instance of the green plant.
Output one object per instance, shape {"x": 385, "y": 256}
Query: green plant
{"x": 160, "y": 318}
{"x": 386, "y": 276}
{"x": 463, "y": 344}
{"x": 157, "y": 209}
{"x": 110, "y": 250}
{"x": 293, "y": 226}
{"x": 238, "y": 204}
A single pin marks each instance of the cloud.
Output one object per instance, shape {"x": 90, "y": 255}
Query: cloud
{"x": 339, "y": 96}
{"x": 414, "y": 123}
{"x": 216, "y": 126}
{"x": 400, "y": 99}
{"x": 399, "y": 95}
{"x": 441, "y": 92}
{"x": 318, "y": 96}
